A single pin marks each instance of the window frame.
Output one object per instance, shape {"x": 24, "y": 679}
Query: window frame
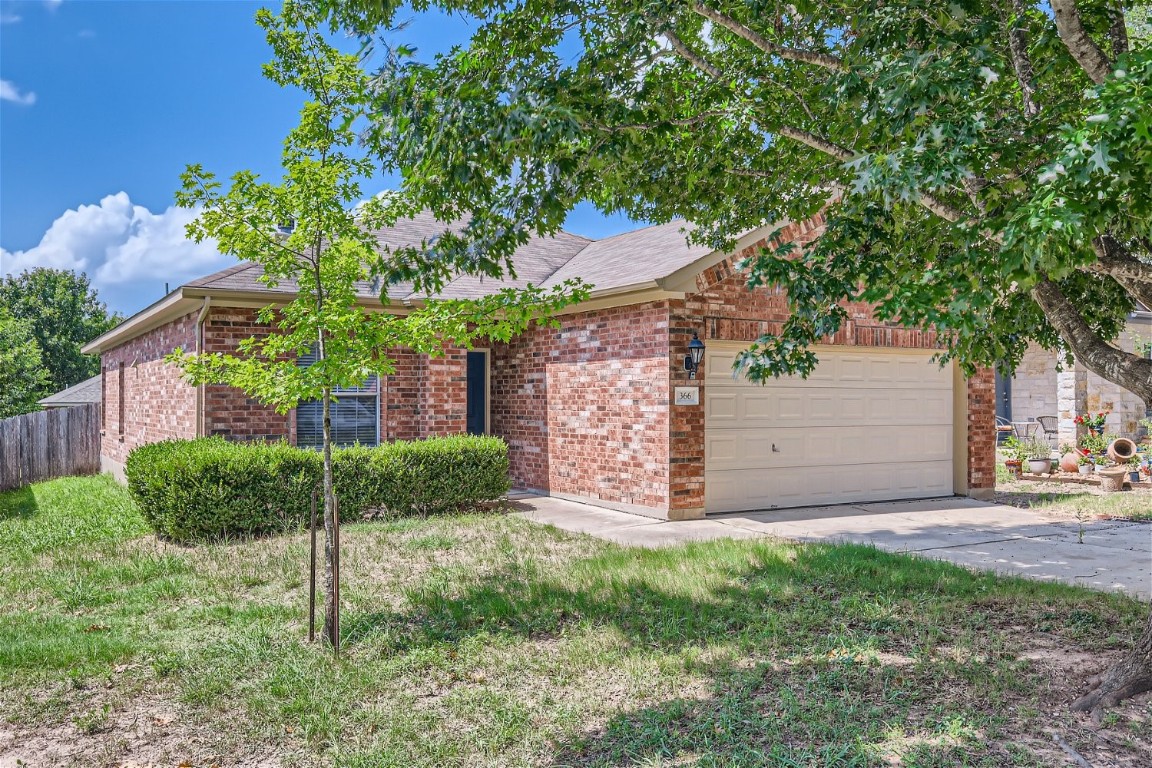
{"x": 369, "y": 389}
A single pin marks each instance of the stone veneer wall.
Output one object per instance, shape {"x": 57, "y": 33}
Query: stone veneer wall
{"x": 584, "y": 407}
{"x": 1039, "y": 389}
{"x": 1034, "y": 386}
{"x": 155, "y": 403}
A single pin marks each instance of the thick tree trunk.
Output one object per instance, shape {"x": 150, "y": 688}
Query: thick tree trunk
{"x": 1076, "y": 39}
{"x": 1133, "y": 673}
{"x": 1126, "y": 678}
{"x": 1132, "y": 372}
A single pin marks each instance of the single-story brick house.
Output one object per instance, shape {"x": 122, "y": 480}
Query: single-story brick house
{"x": 1037, "y": 388}
{"x": 601, "y": 409}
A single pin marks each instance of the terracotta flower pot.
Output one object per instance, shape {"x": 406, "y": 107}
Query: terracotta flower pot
{"x": 1121, "y": 450}
{"x": 1070, "y": 462}
{"x": 1112, "y": 479}
{"x": 1014, "y": 468}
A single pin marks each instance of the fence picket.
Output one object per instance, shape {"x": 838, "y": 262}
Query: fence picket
{"x": 47, "y": 444}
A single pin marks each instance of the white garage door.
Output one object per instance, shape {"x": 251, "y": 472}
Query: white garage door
{"x": 867, "y": 425}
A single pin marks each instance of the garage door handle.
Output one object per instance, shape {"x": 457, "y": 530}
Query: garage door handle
{"x": 775, "y": 449}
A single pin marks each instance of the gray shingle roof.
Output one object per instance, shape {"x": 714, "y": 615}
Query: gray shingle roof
{"x": 631, "y": 258}
{"x": 87, "y": 391}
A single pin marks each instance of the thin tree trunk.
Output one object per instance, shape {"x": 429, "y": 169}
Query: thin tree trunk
{"x": 1126, "y": 678}
{"x": 331, "y": 624}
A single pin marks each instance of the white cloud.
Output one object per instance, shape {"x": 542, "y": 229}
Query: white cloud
{"x": 128, "y": 251}
{"x": 9, "y": 18}
{"x": 9, "y": 91}
{"x": 52, "y": 5}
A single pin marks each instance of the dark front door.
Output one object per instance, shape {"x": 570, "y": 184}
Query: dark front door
{"x": 1003, "y": 395}
{"x": 477, "y": 392}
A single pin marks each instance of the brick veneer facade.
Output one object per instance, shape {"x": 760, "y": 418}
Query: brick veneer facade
{"x": 586, "y": 408}
{"x": 145, "y": 400}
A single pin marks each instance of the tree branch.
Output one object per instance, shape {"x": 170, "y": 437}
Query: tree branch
{"x": 1083, "y": 48}
{"x": 1021, "y": 61}
{"x": 825, "y": 60}
{"x": 690, "y": 56}
{"x": 1115, "y": 261}
{"x": 843, "y": 154}
{"x": 1129, "y": 371}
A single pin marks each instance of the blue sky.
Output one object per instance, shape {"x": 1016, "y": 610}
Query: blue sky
{"x": 103, "y": 103}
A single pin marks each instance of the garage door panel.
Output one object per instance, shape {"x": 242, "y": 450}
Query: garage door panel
{"x": 737, "y": 490}
{"x": 866, "y": 426}
{"x": 838, "y": 368}
{"x": 781, "y": 406}
{"x": 845, "y": 446}
{"x": 720, "y": 406}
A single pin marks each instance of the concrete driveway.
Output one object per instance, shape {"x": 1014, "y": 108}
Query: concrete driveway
{"x": 1114, "y": 555}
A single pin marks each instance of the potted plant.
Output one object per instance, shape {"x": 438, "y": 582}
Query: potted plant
{"x": 1093, "y": 423}
{"x": 1039, "y": 455}
{"x": 1084, "y": 464}
{"x": 1069, "y": 457}
{"x": 1094, "y": 444}
{"x": 1016, "y": 456}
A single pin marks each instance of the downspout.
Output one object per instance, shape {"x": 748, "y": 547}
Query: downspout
{"x": 199, "y": 349}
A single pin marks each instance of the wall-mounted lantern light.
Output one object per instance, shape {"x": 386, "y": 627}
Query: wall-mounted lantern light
{"x": 694, "y": 356}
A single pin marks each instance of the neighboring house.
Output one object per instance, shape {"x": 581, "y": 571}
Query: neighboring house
{"x": 84, "y": 393}
{"x": 601, "y": 409}
{"x": 1038, "y": 389}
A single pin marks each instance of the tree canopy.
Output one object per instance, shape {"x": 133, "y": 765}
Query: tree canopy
{"x": 64, "y": 313}
{"x": 23, "y": 377}
{"x": 985, "y": 166}
{"x": 990, "y": 163}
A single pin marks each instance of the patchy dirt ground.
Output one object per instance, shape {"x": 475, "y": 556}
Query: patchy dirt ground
{"x": 1074, "y": 499}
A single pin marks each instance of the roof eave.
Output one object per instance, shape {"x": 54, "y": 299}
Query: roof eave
{"x": 172, "y": 306}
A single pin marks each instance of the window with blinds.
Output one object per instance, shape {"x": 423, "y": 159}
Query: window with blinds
{"x": 355, "y": 415}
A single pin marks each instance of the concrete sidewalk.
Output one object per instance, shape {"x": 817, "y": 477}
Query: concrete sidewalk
{"x": 1114, "y": 556}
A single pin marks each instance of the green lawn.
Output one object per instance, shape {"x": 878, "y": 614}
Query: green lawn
{"x": 488, "y": 641}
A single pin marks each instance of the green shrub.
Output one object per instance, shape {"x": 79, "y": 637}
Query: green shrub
{"x": 193, "y": 490}
{"x": 210, "y": 488}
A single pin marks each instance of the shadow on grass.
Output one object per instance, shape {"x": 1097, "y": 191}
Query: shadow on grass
{"x": 20, "y": 503}
{"x": 806, "y": 676}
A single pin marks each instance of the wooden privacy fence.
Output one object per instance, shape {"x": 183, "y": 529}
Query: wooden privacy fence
{"x": 47, "y": 444}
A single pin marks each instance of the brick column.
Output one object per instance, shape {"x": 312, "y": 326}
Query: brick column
{"x": 981, "y": 434}
{"x": 685, "y": 423}
{"x": 1071, "y": 401}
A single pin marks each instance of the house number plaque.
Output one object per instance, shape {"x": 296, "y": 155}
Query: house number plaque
{"x": 687, "y": 396}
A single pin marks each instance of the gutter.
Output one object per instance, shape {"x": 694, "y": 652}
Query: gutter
{"x": 200, "y": 348}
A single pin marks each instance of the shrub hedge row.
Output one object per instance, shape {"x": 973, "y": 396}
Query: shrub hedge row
{"x": 210, "y": 488}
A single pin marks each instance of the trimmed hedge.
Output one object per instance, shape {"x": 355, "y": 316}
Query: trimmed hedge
{"x": 210, "y": 488}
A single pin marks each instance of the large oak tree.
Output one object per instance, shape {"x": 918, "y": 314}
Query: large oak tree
{"x": 985, "y": 165}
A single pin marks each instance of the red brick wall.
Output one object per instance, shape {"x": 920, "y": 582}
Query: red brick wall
{"x": 444, "y": 394}
{"x": 228, "y": 411}
{"x": 584, "y": 407}
{"x": 423, "y": 397}
{"x": 157, "y": 403}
